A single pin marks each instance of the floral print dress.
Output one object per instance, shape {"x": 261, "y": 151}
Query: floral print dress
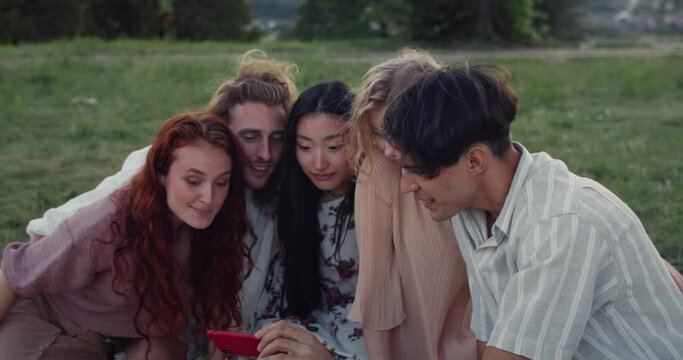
{"x": 339, "y": 273}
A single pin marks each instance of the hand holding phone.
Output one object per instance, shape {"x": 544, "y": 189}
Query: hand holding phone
{"x": 236, "y": 343}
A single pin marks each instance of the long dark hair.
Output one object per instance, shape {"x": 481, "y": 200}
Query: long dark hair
{"x": 143, "y": 226}
{"x": 298, "y": 227}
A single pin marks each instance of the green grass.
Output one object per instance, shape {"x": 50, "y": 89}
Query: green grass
{"x": 71, "y": 111}
{"x": 86, "y": 47}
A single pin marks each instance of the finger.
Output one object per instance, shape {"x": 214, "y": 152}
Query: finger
{"x": 278, "y": 357}
{"x": 297, "y": 333}
{"x": 282, "y": 345}
{"x": 271, "y": 326}
{"x": 262, "y": 331}
{"x": 280, "y": 329}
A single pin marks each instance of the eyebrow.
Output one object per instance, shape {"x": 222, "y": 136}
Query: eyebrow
{"x": 328, "y": 137}
{"x": 248, "y": 131}
{"x": 197, "y": 171}
{"x": 258, "y": 132}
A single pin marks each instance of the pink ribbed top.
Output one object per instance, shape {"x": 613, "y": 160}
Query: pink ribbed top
{"x": 412, "y": 278}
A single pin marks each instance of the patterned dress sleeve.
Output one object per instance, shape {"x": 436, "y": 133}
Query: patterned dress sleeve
{"x": 379, "y": 301}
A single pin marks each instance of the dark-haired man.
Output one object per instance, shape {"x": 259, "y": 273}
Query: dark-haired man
{"x": 559, "y": 267}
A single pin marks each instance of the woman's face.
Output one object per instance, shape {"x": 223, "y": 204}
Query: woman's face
{"x": 197, "y": 184}
{"x": 376, "y": 117}
{"x": 321, "y": 153}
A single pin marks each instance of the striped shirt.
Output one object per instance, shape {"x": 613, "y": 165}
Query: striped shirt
{"x": 568, "y": 273}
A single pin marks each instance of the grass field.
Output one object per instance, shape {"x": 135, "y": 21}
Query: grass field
{"x": 71, "y": 111}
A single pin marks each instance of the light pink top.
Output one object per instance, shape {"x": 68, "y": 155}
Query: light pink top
{"x": 675, "y": 275}
{"x": 74, "y": 270}
{"x": 412, "y": 278}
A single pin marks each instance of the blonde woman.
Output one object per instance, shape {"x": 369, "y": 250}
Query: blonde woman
{"x": 412, "y": 295}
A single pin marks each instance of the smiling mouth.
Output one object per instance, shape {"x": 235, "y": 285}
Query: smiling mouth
{"x": 202, "y": 212}
{"x": 260, "y": 168}
{"x": 323, "y": 177}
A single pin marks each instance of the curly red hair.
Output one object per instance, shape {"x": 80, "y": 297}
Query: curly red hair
{"x": 143, "y": 227}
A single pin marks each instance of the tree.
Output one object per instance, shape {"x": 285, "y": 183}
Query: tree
{"x": 331, "y": 19}
{"x": 444, "y": 20}
{"x": 34, "y": 20}
{"x": 388, "y": 17}
{"x": 485, "y": 14}
{"x": 133, "y": 18}
{"x": 516, "y": 21}
{"x": 213, "y": 19}
{"x": 559, "y": 19}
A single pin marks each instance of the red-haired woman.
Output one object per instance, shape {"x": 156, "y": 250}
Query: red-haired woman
{"x": 131, "y": 268}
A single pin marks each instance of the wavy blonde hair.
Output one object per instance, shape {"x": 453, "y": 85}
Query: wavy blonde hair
{"x": 258, "y": 79}
{"x": 381, "y": 85}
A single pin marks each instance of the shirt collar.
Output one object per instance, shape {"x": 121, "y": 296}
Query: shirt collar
{"x": 504, "y": 220}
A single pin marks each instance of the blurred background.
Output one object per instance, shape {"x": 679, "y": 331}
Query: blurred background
{"x": 85, "y": 82}
{"x": 440, "y": 21}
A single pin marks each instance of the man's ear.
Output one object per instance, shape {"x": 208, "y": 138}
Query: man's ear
{"x": 477, "y": 159}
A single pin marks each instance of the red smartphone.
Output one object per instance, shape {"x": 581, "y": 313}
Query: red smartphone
{"x": 236, "y": 343}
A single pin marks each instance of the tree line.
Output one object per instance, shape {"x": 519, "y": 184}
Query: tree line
{"x": 522, "y": 21}
{"x": 439, "y": 20}
{"x": 40, "y": 20}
